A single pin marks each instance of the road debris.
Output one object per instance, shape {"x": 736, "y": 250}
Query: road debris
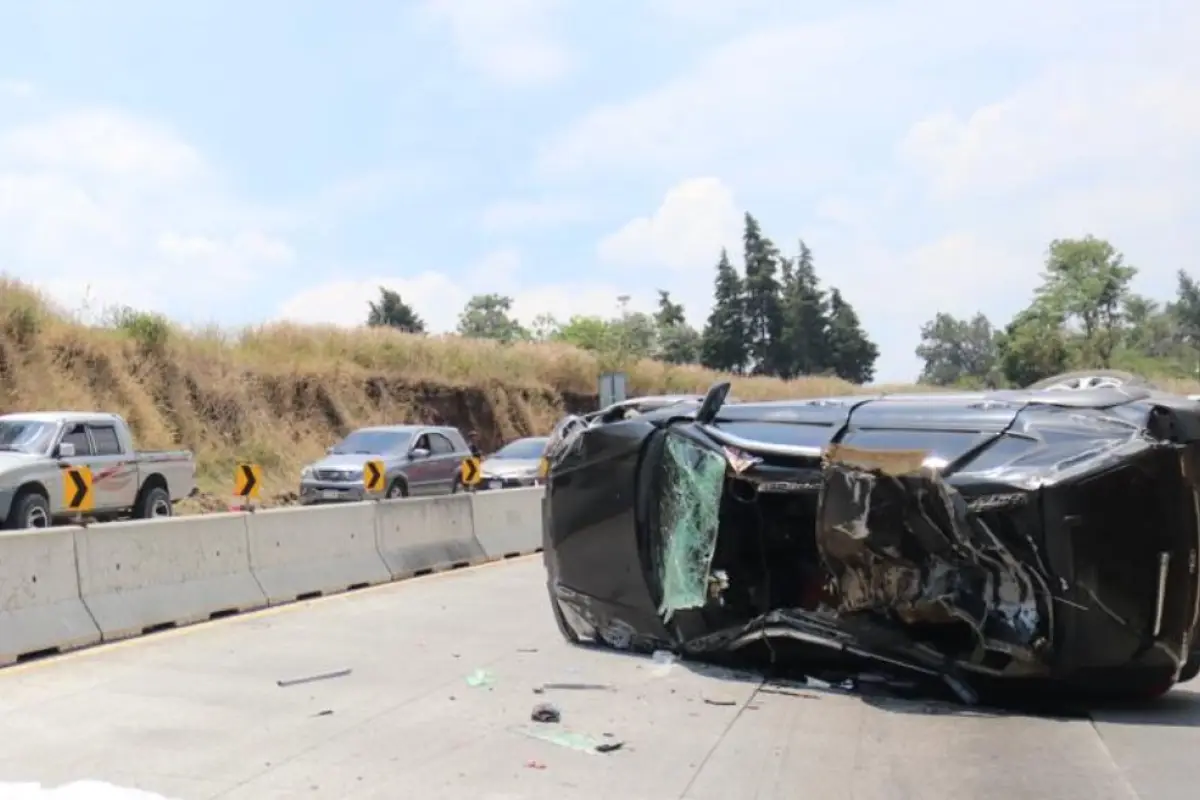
{"x": 663, "y": 660}
{"x": 313, "y": 678}
{"x": 720, "y": 701}
{"x": 597, "y": 687}
{"x": 546, "y": 712}
{"x": 480, "y": 678}
{"x": 571, "y": 740}
{"x": 531, "y": 764}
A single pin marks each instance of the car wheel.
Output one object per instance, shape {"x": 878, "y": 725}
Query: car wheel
{"x": 397, "y": 490}
{"x": 29, "y": 510}
{"x": 567, "y": 633}
{"x": 155, "y": 503}
{"x": 1090, "y": 379}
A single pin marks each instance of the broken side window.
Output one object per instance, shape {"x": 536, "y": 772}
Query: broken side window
{"x": 689, "y": 516}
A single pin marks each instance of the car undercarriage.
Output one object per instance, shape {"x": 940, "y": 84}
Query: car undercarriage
{"x": 1046, "y": 536}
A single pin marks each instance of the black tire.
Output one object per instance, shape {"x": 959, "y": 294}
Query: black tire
{"x": 1085, "y": 378}
{"x": 397, "y": 490}
{"x": 561, "y": 621}
{"x": 154, "y": 503}
{"x": 29, "y": 510}
{"x": 1191, "y": 669}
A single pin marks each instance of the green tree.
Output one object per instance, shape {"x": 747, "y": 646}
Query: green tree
{"x": 1033, "y": 346}
{"x": 805, "y": 310}
{"x": 669, "y": 312}
{"x": 393, "y": 312}
{"x": 633, "y": 334}
{"x": 723, "y": 343}
{"x": 587, "y": 333}
{"x": 488, "y": 316}
{"x": 958, "y": 350}
{"x": 1086, "y": 281}
{"x": 763, "y": 312}
{"x": 545, "y": 328}
{"x": 853, "y": 354}
{"x": 678, "y": 342}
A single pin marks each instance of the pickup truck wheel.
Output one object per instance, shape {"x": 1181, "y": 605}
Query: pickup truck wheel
{"x": 29, "y": 510}
{"x": 155, "y": 503}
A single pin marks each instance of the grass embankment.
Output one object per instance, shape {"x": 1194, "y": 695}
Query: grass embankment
{"x": 279, "y": 395}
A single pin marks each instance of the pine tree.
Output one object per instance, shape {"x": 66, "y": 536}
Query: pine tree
{"x": 764, "y": 320}
{"x": 392, "y": 311}
{"x": 853, "y": 354}
{"x": 723, "y": 343}
{"x": 806, "y": 319}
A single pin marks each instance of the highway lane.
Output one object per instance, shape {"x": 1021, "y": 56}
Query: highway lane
{"x": 198, "y": 713}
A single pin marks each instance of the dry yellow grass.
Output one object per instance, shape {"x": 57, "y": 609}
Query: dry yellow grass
{"x": 278, "y": 395}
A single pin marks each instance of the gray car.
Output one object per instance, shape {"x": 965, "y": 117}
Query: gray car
{"x": 420, "y": 460}
{"x": 516, "y": 464}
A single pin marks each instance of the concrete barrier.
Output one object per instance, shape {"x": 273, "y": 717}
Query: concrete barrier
{"x": 508, "y": 523}
{"x": 70, "y": 587}
{"x": 40, "y": 607}
{"x": 427, "y": 534}
{"x": 137, "y": 577}
{"x": 296, "y": 553}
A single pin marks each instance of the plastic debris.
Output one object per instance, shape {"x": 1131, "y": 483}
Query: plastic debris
{"x": 571, "y": 740}
{"x": 480, "y": 678}
{"x": 545, "y": 712}
{"x": 663, "y": 660}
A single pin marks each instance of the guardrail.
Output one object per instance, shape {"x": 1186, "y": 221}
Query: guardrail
{"x": 69, "y": 587}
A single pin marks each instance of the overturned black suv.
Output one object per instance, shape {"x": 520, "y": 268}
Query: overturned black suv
{"x": 1047, "y": 535}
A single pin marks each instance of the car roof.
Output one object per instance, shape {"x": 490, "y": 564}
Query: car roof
{"x": 59, "y": 416}
{"x": 405, "y": 428}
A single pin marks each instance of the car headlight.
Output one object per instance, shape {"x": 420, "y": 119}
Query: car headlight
{"x": 306, "y": 473}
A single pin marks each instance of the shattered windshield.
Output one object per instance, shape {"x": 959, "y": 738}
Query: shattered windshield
{"x": 25, "y": 436}
{"x": 692, "y": 480}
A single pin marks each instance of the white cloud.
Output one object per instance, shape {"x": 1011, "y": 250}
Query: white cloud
{"x": 513, "y": 215}
{"x": 1106, "y": 115}
{"x": 696, "y": 219}
{"x": 512, "y": 42}
{"x": 101, "y": 207}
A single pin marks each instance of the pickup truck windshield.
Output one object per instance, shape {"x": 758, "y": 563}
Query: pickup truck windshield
{"x": 25, "y": 436}
{"x": 372, "y": 442}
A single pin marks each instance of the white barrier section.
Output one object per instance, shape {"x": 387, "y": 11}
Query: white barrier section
{"x": 509, "y": 522}
{"x": 306, "y": 552}
{"x": 40, "y": 607}
{"x": 427, "y": 533}
{"x": 142, "y": 575}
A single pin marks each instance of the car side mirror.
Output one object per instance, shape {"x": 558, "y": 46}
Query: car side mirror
{"x": 329, "y": 450}
{"x": 66, "y": 450}
{"x": 420, "y": 452}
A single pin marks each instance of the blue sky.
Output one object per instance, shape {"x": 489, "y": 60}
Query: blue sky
{"x": 244, "y": 162}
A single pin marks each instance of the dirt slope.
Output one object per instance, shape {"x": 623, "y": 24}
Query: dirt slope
{"x": 279, "y": 395}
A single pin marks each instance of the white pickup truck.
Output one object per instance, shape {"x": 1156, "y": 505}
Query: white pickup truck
{"x": 36, "y": 447}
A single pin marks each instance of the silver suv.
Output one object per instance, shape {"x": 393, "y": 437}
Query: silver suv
{"x": 420, "y": 460}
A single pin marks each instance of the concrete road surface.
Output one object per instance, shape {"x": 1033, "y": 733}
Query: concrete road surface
{"x": 444, "y": 676}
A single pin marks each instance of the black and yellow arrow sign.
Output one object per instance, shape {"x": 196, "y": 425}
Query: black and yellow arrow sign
{"x": 77, "y": 488}
{"x": 543, "y": 467}
{"x": 374, "y": 475}
{"x": 247, "y": 481}
{"x": 470, "y": 471}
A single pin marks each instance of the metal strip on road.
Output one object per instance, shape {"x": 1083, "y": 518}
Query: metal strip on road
{"x": 200, "y": 715}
